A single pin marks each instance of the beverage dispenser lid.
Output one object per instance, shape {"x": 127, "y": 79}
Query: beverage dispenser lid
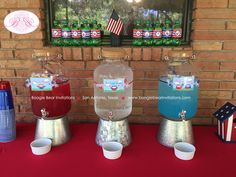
{"x": 113, "y": 53}
{"x": 5, "y": 85}
{"x": 177, "y": 58}
{"x": 187, "y": 54}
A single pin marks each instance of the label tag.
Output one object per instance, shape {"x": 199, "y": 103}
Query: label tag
{"x": 95, "y": 34}
{"x": 177, "y": 33}
{"x": 76, "y": 34}
{"x": 56, "y": 33}
{"x": 157, "y": 34}
{"x": 21, "y": 22}
{"x": 114, "y": 85}
{"x": 86, "y": 34}
{"x": 66, "y": 33}
{"x": 41, "y": 83}
{"x": 137, "y": 33}
{"x": 147, "y": 34}
{"x": 183, "y": 83}
{"x": 167, "y": 33}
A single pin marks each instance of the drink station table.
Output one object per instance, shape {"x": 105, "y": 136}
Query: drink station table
{"x": 144, "y": 157}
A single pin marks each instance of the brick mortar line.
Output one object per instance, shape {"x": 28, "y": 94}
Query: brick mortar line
{"x": 215, "y": 30}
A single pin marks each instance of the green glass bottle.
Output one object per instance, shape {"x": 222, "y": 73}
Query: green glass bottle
{"x": 95, "y": 34}
{"x": 167, "y": 33}
{"x": 137, "y": 34}
{"x": 56, "y": 33}
{"x": 177, "y": 33}
{"x": 75, "y": 34}
{"x": 147, "y": 34}
{"x": 66, "y": 33}
{"x": 102, "y": 32}
{"x": 157, "y": 34}
{"x": 86, "y": 33}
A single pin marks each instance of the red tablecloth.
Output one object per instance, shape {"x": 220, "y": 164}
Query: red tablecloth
{"x": 145, "y": 157}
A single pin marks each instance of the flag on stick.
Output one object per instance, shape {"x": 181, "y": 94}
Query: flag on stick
{"x": 115, "y": 24}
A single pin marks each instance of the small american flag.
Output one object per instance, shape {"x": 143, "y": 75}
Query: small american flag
{"x": 115, "y": 24}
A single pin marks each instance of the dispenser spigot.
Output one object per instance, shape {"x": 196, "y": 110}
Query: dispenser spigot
{"x": 110, "y": 115}
{"x": 182, "y": 115}
{"x": 44, "y": 113}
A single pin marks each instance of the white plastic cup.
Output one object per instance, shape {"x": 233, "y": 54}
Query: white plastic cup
{"x": 112, "y": 150}
{"x": 41, "y": 146}
{"x": 184, "y": 151}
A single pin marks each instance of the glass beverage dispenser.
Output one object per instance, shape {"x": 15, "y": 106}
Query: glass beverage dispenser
{"x": 50, "y": 98}
{"x": 113, "y": 86}
{"x": 178, "y": 95}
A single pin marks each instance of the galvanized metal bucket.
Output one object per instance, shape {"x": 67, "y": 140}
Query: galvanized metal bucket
{"x": 172, "y": 132}
{"x": 57, "y": 130}
{"x": 113, "y": 131}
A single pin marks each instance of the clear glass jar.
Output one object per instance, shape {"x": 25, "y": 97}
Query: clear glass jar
{"x": 113, "y": 86}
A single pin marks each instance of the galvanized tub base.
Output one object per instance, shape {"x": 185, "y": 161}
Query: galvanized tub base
{"x": 57, "y": 130}
{"x": 113, "y": 131}
{"x": 172, "y": 132}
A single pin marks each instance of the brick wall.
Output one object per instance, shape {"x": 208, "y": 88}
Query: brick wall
{"x": 213, "y": 41}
